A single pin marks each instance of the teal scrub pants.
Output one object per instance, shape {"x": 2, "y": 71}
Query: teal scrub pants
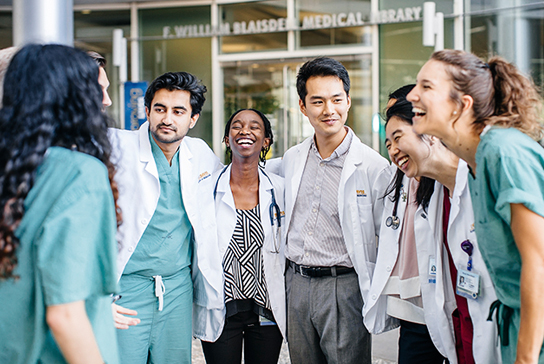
{"x": 164, "y": 336}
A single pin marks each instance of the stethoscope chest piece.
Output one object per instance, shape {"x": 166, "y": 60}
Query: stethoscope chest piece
{"x": 393, "y": 222}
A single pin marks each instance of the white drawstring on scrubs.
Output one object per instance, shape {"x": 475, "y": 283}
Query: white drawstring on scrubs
{"x": 159, "y": 290}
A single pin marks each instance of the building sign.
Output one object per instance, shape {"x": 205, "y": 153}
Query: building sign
{"x": 339, "y": 20}
{"x": 134, "y": 104}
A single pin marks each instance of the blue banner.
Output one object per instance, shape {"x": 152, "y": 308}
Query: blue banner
{"x": 134, "y": 104}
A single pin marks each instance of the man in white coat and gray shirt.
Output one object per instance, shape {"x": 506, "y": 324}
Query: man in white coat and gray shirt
{"x": 334, "y": 187}
{"x": 159, "y": 169}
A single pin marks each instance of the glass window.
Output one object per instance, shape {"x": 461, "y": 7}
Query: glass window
{"x": 93, "y": 31}
{"x": 333, "y": 22}
{"x": 250, "y": 25}
{"x": 360, "y": 113}
{"x": 515, "y": 34}
{"x": 402, "y": 53}
{"x": 401, "y": 46}
{"x": 270, "y": 86}
{"x": 191, "y": 55}
{"x": 6, "y": 29}
{"x": 444, "y": 6}
{"x": 477, "y": 5}
{"x": 267, "y": 87}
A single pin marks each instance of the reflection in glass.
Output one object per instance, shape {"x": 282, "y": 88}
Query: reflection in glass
{"x": 191, "y": 55}
{"x": 515, "y": 34}
{"x": 245, "y": 16}
{"x": 6, "y": 29}
{"x": 93, "y": 31}
{"x": 329, "y": 16}
{"x": 271, "y": 88}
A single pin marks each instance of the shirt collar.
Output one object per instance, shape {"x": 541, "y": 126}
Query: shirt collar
{"x": 340, "y": 150}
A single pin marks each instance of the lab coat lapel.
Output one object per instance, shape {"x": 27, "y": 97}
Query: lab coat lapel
{"x": 299, "y": 162}
{"x": 148, "y": 162}
{"x": 434, "y": 219}
{"x": 265, "y": 200}
{"x": 186, "y": 177}
{"x": 226, "y": 210}
{"x": 460, "y": 185}
{"x": 353, "y": 159}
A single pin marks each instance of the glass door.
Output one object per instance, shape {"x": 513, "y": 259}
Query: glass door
{"x": 270, "y": 87}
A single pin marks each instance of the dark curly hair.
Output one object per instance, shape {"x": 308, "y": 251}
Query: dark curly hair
{"x": 52, "y": 98}
{"x": 178, "y": 81}
{"x": 267, "y": 134}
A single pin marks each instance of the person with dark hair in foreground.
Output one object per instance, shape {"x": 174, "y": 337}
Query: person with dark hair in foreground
{"x": 159, "y": 172}
{"x": 333, "y": 205}
{"x": 58, "y": 215}
{"x": 248, "y": 208}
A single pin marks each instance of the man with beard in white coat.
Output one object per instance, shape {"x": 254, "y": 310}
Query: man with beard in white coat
{"x": 159, "y": 170}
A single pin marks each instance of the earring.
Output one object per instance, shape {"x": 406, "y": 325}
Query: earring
{"x": 455, "y": 112}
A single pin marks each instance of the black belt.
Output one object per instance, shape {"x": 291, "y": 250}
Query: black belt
{"x": 320, "y": 271}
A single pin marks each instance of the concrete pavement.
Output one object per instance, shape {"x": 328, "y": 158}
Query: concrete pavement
{"x": 384, "y": 350}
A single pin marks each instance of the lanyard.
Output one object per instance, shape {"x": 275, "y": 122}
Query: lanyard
{"x": 467, "y": 247}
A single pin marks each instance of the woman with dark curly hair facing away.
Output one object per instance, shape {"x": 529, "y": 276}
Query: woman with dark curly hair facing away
{"x": 58, "y": 216}
{"x": 489, "y": 115}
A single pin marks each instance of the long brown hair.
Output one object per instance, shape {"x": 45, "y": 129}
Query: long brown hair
{"x": 502, "y": 94}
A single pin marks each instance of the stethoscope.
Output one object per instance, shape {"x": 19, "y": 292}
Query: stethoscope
{"x": 273, "y": 210}
{"x": 393, "y": 221}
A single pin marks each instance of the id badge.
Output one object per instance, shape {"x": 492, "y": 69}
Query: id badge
{"x": 468, "y": 284}
{"x": 432, "y": 269}
{"x": 263, "y": 321}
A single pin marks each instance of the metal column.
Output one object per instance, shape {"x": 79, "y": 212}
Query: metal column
{"x": 38, "y": 21}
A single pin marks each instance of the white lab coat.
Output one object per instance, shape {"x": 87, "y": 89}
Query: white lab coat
{"x": 208, "y": 323}
{"x": 438, "y": 298}
{"x": 363, "y": 181}
{"x": 139, "y": 189}
{"x": 461, "y": 228}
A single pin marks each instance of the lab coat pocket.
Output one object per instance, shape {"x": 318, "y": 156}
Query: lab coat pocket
{"x": 366, "y": 219}
{"x": 204, "y": 294}
{"x": 200, "y": 297}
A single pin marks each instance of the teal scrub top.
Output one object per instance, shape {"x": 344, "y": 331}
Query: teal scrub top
{"x": 165, "y": 247}
{"x": 67, "y": 253}
{"x": 509, "y": 169}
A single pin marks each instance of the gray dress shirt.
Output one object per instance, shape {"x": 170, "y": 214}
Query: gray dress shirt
{"x": 315, "y": 235}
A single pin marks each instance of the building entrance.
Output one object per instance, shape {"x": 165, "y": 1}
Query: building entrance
{"x": 270, "y": 87}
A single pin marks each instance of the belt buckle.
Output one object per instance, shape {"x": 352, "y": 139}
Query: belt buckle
{"x": 301, "y": 269}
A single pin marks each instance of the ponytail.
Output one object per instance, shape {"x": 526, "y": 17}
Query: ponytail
{"x": 501, "y": 94}
{"x": 517, "y": 101}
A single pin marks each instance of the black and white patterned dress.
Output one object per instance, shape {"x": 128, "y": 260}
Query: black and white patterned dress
{"x": 243, "y": 262}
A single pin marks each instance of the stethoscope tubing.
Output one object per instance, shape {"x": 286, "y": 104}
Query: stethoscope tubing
{"x": 393, "y": 221}
{"x": 274, "y": 209}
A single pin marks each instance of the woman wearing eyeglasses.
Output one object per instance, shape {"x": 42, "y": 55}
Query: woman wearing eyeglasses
{"x": 248, "y": 205}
